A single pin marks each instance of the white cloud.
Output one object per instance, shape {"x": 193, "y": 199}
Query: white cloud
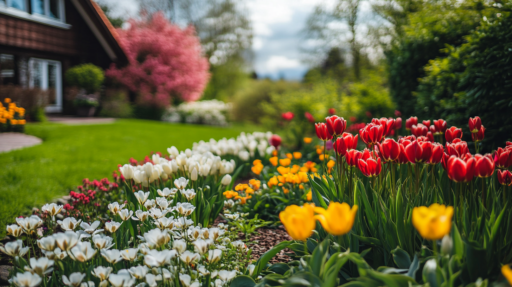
{"x": 276, "y": 63}
{"x": 257, "y": 43}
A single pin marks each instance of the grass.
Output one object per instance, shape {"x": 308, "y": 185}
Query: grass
{"x": 34, "y": 176}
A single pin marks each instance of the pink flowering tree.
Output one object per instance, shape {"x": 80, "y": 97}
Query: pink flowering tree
{"x": 165, "y": 61}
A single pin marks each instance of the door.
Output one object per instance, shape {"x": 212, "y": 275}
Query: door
{"x": 47, "y": 76}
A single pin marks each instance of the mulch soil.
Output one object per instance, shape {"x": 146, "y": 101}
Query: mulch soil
{"x": 264, "y": 240}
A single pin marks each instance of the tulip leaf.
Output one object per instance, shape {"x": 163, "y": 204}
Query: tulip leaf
{"x": 318, "y": 258}
{"x": 401, "y": 258}
{"x": 458, "y": 244}
{"x": 372, "y": 220}
{"x": 279, "y": 268}
{"x": 392, "y": 279}
{"x": 415, "y": 265}
{"x": 497, "y": 223}
{"x": 315, "y": 192}
{"x": 267, "y": 256}
{"x": 243, "y": 281}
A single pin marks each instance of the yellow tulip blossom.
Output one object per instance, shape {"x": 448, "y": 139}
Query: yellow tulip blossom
{"x": 338, "y": 218}
{"x": 273, "y": 160}
{"x": 321, "y": 157}
{"x": 319, "y": 150}
{"x": 507, "y": 273}
{"x": 7, "y": 100}
{"x": 272, "y": 182}
{"x": 256, "y": 162}
{"x": 230, "y": 194}
{"x": 285, "y": 162}
{"x": 309, "y": 196}
{"x": 308, "y": 140}
{"x": 257, "y": 169}
{"x": 299, "y": 221}
{"x": 241, "y": 187}
{"x": 283, "y": 170}
{"x": 289, "y": 155}
{"x": 297, "y": 155}
{"x": 286, "y": 190}
{"x": 295, "y": 168}
{"x": 433, "y": 222}
{"x": 256, "y": 184}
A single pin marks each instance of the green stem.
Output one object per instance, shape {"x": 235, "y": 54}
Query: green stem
{"x": 483, "y": 191}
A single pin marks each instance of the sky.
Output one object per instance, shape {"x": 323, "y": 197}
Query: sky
{"x": 276, "y": 27}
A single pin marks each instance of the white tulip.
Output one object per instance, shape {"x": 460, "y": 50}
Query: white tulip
{"x": 162, "y": 203}
{"x": 14, "y": 230}
{"x": 102, "y": 241}
{"x": 218, "y": 283}
{"x": 66, "y": 240}
{"x": 185, "y": 279}
{"x": 193, "y": 174}
{"x": 127, "y": 171}
{"x": 156, "y": 238}
{"x": 69, "y": 223}
{"x": 138, "y": 176}
{"x": 112, "y": 256}
{"x": 83, "y": 252}
{"x": 167, "y": 168}
{"x": 139, "y": 272}
{"x": 91, "y": 227}
{"x": 150, "y": 203}
{"x": 46, "y": 243}
{"x": 29, "y": 224}
{"x": 189, "y": 257}
{"x": 225, "y": 275}
{"x": 56, "y": 254}
{"x": 125, "y": 214}
{"x": 226, "y": 180}
{"x": 185, "y": 209}
{"x": 151, "y": 280}
{"x": 26, "y": 279}
{"x": 188, "y": 193}
{"x": 165, "y": 222}
{"x": 200, "y": 246}
{"x": 156, "y": 213}
{"x": 129, "y": 254}
{"x": 115, "y": 207}
{"x": 179, "y": 245}
{"x": 148, "y": 168}
{"x": 74, "y": 279}
{"x": 202, "y": 270}
{"x": 141, "y": 196}
{"x": 173, "y": 151}
{"x": 166, "y": 192}
{"x": 214, "y": 255}
{"x": 52, "y": 209}
{"x": 183, "y": 222}
{"x": 41, "y": 266}
{"x": 141, "y": 215}
{"x": 194, "y": 232}
{"x": 244, "y": 155}
{"x": 156, "y": 258}
{"x": 102, "y": 272}
{"x": 112, "y": 226}
{"x": 88, "y": 284}
{"x": 181, "y": 183}
{"x": 174, "y": 165}
{"x": 121, "y": 279}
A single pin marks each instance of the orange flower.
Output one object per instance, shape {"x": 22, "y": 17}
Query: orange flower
{"x": 272, "y": 182}
{"x": 301, "y": 186}
{"x": 295, "y": 168}
{"x": 230, "y": 194}
{"x": 297, "y": 155}
{"x": 274, "y": 153}
{"x": 241, "y": 187}
{"x": 249, "y": 191}
{"x": 14, "y": 122}
{"x": 256, "y": 184}
{"x": 285, "y": 162}
{"x": 319, "y": 150}
{"x": 308, "y": 140}
{"x": 7, "y": 100}
{"x": 22, "y": 122}
{"x": 289, "y": 155}
{"x": 281, "y": 179}
{"x": 3, "y": 120}
{"x": 303, "y": 177}
{"x": 286, "y": 190}
{"x": 257, "y": 169}
{"x": 256, "y": 162}
{"x": 283, "y": 170}
{"x": 273, "y": 160}
{"x": 321, "y": 157}
{"x": 309, "y": 196}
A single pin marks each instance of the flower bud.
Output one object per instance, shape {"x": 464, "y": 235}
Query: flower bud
{"x": 446, "y": 245}
{"x": 226, "y": 180}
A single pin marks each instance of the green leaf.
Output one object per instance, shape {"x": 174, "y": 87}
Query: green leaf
{"x": 265, "y": 258}
{"x": 415, "y": 265}
{"x": 279, "y": 268}
{"x": 401, "y": 258}
{"x": 243, "y": 281}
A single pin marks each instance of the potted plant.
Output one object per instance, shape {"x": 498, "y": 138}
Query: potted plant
{"x": 88, "y": 78}
{"x": 85, "y": 105}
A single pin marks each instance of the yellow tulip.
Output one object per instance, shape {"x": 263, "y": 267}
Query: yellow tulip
{"x": 338, "y": 219}
{"x": 285, "y": 162}
{"x": 255, "y": 184}
{"x": 272, "y": 182}
{"x": 297, "y": 155}
{"x": 283, "y": 170}
{"x": 273, "y": 160}
{"x": 289, "y": 155}
{"x": 257, "y": 169}
{"x": 299, "y": 221}
{"x": 309, "y": 196}
{"x": 308, "y": 140}
{"x": 256, "y": 162}
{"x": 507, "y": 272}
{"x": 433, "y": 222}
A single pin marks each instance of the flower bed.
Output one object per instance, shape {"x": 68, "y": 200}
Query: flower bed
{"x": 212, "y": 112}
{"x": 430, "y": 212}
{"x": 12, "y": 117}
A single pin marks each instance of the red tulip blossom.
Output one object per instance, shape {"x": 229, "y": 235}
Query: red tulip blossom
{"x": 388, "y": 124}
{"x": 458, "y": 149}
{"x": 288, "y": 116}
{"x": 398, "y": 123}
{"x": 336, "y": 125}
{"x": 419, "y": 152}
{"x": 372, "y": 133}
{"x": 275, "y": 141}
{"x": 309, "y": 117}
{"x": 402, "y": 157}
{"x": 350, "y": 140}
{"x": 461, "y": 170}
{"x": 322, "y": 132}
{"x": 332, "y": 111}
{"x": 505, "y": 177}
{"x": 474, "y": 124}
{"x": 503, "y": 158}
{"x": 484, "y": 166}
{"x": 340, "y": 147}
{"x": 352, "y": 156}
{"x": 419, "y": 130}
{"x": 398, "y": 113}
{"x": 453, "y": 133}
{"x": 412, "y": 121}
{"x": 369, "y": 114}
{"x": 440, "y": 126}
{"x": 437, "y": 153}
{"x": 389, "y": 150}
{"x": 479, "y": 136}
{"x": 370, "y": 167}
{"x": 426, "y": 123}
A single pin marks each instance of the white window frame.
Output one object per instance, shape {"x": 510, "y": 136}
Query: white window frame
{"x": 46, "y": 8}
{"x": 57, "y": 108}
{"x": 43, "y": 19}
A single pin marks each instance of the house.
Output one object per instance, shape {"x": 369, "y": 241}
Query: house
{"x": 41, "y": 39}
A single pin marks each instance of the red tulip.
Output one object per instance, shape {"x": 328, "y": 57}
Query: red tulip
{"x": 412, "y": 121}
{"x": 369, "y": 114}
{"x": 389, "y": 150}
{"x": 479, "y": 136}
{"x": 437, "y": 153}
{"x": 398, "y": 113}
{"x": 503, "y": 158}
{"x": 322, "y": 132}
{"x": 398, "y": 123}
{"x": 340, "y": 147}
{"x": 388, "y": 124}
{"x": 370, "y": 167}
{"x": 372, "y": 133}
{"x": 474, "y": 124}
{"x": 309, "y": 117}
{"x": 332, "y": 111}
{"x": 453, "y": 133}
{"x": 440, "y": 126}
{"x": 402, "y": 157}
{"x": 484, "y": 166}
{"x": 352, "y": 156}
{"x": 419, "y": 130}
{"x": 418, "y": 152}
{"x": 458, "y": 149}
{"x": 336, "y": 125}
{"x": 275, "y": 141}
{"x": 288, "y": 116}
{"x": 444, "y": 161}
{"x": 426, "y": 123}
{"x": 461, "y": 170}
{"x": 505, "y": 177}
{"x": 350, "y": 140}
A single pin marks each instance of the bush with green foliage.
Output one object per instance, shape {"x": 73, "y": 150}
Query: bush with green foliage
{"x": 85, "y": 76}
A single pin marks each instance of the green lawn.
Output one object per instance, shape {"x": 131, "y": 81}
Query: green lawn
{"x": 36, "y": 175}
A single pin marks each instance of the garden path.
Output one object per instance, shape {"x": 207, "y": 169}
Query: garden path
{"x": 12, "y": 141}
{"x": 79, "y": 121}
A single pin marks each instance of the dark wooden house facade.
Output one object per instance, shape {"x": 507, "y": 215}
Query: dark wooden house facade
{"x": 41, "y": 39}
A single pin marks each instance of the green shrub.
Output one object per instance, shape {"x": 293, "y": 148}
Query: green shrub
{"x": 115, "y": 104}
{"x": 85, "y": 76}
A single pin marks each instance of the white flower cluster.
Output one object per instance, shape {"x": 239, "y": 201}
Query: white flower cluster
{"x": 211, "y": 112}
{"x": 244, "y": 146}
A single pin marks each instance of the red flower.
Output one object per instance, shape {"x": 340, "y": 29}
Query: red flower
{"x": 275, "y": 141}
{"x": 430, "y": 137}
{"x": 458, "y": 149}
{"x": 419, "y": 130}
{"x": 484, "y": 166}
{"x": 411, "y": 122}
{"x": 332, "y": 111}
{"x": 335, "y": 125}
{"x": 437, "y": 153}
{"x": 461, "y": 170}
{"x": 388, "y": 124}
{"x": 402, "y": 157}
{"x": 340, "y": 147}
{"x": 350, "y": 140}
{"x": 288, "y": 116}
{"x": 440, "y": 126}
{"x": 389, "y": 150}
{"x": 426, "y": 123}
{"x": 503, "y": 158}
{"x": 505, "y": 177}
{"x": 419, "y": 152}
{"x": 398, "y": 123}
{"x": 372, "y": 133}
{"x": 370, "y": 167}
{"x": 453, "y": 133}
{"x": 479, "y": 136}
{"x": 474, "y": 124}
{"x": 322, "y": 132}
{"x": 353, "y": 119}
{"x": 398, "y": 113}
{"x": 309, "y": 117}
{"x": 369, "y": 114}
{"x": 352, "y": 156}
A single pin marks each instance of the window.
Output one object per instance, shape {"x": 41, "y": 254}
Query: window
{"x": 6, "y": 69}
{"x": 46, "y": 75}
{"x": 17, "y": 4}
{"x": 50, "y": 8}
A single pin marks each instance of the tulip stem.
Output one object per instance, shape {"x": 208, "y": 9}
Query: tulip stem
{"x": 483, "y": 191}
{"x": 393, "y": 182}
